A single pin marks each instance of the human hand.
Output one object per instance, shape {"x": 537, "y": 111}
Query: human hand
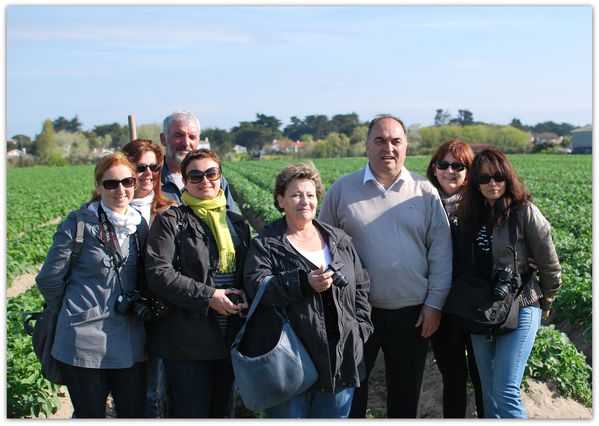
{"x": 429, "y": 319}
{"x": 221, "y": 303}
{"x": 238, "y": 297}
{"x": 320, "y": 280}
{"x": 545, "y": 314}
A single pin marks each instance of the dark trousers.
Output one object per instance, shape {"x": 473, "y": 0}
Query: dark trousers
{"x": 450, "y": 345}
{"x": 158, "y": 404}
{"x": 200, "y": 389}
{"x": 89, "y": 389}
{"x": 405, "y": 355}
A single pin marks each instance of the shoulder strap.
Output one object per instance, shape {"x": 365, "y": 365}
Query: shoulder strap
{"x": 514, "y": 229}
{"x": 77, "y": 244}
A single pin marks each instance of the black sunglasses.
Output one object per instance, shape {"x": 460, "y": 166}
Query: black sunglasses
{"x": 444, "y": 165}
{"x": 112, "y": 184}
{"x": 196, "y": 176}
{"x": 485, "y": 179}
{"x": 141, "y": 167}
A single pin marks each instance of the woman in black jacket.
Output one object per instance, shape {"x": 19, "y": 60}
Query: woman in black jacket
{"x": 194, "y": 260}
{"x": 328, "y": 310}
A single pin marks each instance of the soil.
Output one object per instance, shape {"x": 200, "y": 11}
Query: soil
{"x": 541, "y": 400}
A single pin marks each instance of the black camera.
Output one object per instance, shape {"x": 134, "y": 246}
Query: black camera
{"x": 339, "y": 279}
{"x": 505, "y": 280}
{"x": 160, "y": 308}
{"x": 237, "y": 299}
{"x": 133, "y": 302}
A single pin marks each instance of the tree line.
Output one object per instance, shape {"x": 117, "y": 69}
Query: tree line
{"x": 64, "y": 140}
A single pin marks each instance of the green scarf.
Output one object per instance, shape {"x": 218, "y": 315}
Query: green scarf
{"x": 214, "y": 213}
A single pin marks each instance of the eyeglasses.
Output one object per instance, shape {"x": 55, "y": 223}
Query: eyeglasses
{"x": 112, "y": 184}
{"x": 444, "y": 165}
{"x": 196, "y": 176}
{"x": 485, "y": 179}
{"x": 141, "y": 167}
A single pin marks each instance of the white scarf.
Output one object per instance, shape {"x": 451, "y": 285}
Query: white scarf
{"x": 124, "y": 224}
{"x": 144, "y": 206}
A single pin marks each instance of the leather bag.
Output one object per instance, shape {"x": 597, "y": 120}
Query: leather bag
{"x": 270, "y": 379}
{"x": 42, "y": 333}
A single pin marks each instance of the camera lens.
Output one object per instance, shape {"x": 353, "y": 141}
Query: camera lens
{"x": 142, "y": 311}
{"x": 122, "y": 304}
{"x": 500, "y": 291}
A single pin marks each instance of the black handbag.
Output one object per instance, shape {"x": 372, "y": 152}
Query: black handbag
{"x": 42, "y": 333}
{"x": 471, "y": 299}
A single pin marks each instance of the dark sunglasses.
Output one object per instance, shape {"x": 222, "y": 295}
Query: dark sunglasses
{"x": 444, "y": 165}
{"x": 196, "y": 176}
{"x": 485, "y": 179}
{"x": 141, "y": 167}
{"x": 112, "y": 184}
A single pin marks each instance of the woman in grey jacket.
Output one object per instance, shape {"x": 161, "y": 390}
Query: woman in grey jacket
{"x": 493, "y": 194}
{"x": 100, "y": 350}
{"x": 329, "y": 312}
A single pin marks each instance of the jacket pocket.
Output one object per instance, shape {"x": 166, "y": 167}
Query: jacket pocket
{"x": 89, "y": 315}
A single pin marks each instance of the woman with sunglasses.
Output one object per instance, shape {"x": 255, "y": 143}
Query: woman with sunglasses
{"x": 493, "y": 194}
{"x": 147, "y": 158}
{"x": 149, "y": 200}
{"x": 194, "y": 260}
{"x": 452, "y": 347}
{"x": 99, "y": 345}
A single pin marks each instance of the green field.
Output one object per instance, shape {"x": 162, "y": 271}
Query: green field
{"x": 38, "y": 197}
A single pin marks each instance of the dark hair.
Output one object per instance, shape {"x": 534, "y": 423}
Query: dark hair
{"x": 305, "y": 170}
{"x": 459, "y": 149}
{"x": 134, "y": 150}
{"x": 198, "y": 154}
{"x": 382, "y": 117}
{"x": 106, "y": 163}
{"x": 471, "y": 211}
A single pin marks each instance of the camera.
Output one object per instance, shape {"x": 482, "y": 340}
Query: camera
{"x": 237, "y": 299}
{"x": 160, "y": 308}
{"x": 339, "y": 279}
{"x": 133, "y": 302}
{"x": 505, "y": 280}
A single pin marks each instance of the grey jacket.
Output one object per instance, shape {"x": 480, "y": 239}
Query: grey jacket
{"x": 89, "y": 332}
{"x": 535, "y": 242}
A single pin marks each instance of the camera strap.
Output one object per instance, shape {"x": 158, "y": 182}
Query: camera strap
{"x": 110, "y": 242}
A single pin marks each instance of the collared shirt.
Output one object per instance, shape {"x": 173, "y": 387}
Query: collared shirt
{"x": 369, "y": 176}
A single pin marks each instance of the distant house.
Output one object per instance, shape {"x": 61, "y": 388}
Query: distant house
{"x": 204, "y": 144}
{"x": 99, "y": 153}
{"x": 286, "y": 146}
{"x": 582, "y": 140}
{"x": 16, "y": 153}
{"x": 240, "y": 149}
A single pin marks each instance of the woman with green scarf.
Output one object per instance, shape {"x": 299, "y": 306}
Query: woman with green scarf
{"x": 194, "y": 260}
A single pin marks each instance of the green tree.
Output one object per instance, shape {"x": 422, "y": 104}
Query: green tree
{"x": 442, "y": 117}
{"x": 221, "y": 141}
{"x": 22, "y": 142}
{"x": 295, "y": 129}
{"x": 149, "y": 132}
{"x": 358, "y": 135}
{"x": 119, "y": 135}
{"x": 345, "y": 123}
{"x": 335, "y": 145}
{"x": 45, "y": 143}
{"x": 318, "y": 126}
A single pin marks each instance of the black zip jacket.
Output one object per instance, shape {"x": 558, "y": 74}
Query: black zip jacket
{"x": 271, "y": 254}
{"x": 181, "y": 258}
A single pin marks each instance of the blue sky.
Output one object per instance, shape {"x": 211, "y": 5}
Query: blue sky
{"x": 228, "y": 63}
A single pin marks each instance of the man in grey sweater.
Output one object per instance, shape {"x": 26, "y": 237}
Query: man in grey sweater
{"x": 400, "y": 230}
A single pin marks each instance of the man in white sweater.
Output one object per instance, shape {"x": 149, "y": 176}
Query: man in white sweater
{"x": 400, "y": 230}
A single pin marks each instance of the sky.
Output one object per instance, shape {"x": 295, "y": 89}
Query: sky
{"x": 228, "y": 63}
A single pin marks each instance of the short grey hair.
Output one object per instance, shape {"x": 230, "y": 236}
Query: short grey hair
{"x": 381, "y": 117}
{"x": 179, "y": 116}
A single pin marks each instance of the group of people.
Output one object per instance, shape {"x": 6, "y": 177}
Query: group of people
{"x": 372, "y": 272}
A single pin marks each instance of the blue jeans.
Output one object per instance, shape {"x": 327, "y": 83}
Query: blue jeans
{"x": 316, "y": 405}
{"x": 158, "y": 404}
{"x": 501, "y": 364}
